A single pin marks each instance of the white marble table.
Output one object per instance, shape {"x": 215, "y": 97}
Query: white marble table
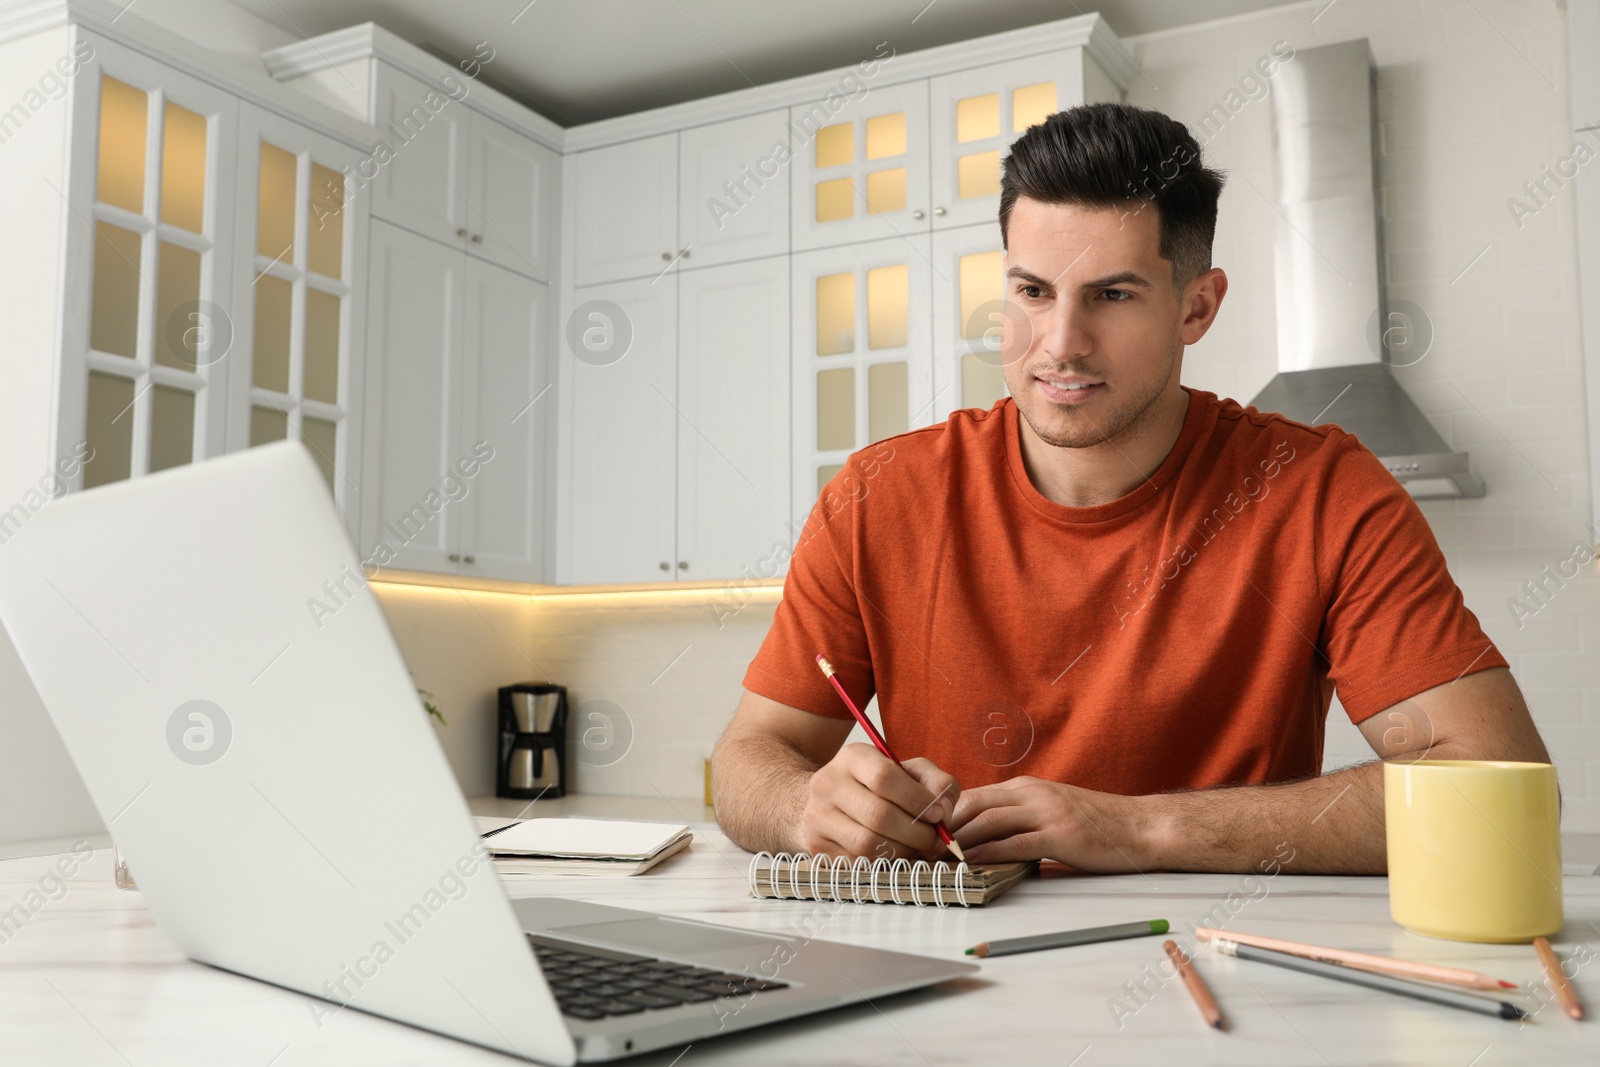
{"x": 87, "y": 979}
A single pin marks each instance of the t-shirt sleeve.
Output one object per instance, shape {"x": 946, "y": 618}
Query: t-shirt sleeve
{"x": 1396, "y": 623}
{"x": 820, "y": 612}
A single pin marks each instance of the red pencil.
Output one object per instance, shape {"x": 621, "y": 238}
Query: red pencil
{"x": 880, "y": 743}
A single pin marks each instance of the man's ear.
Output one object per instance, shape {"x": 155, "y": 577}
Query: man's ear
{"x": 1202, "y": 298}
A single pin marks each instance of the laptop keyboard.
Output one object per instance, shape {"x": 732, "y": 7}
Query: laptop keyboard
{"x": 592, "y": 983}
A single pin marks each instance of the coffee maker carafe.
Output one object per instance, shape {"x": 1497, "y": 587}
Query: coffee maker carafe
{"x": 533, "y": 741}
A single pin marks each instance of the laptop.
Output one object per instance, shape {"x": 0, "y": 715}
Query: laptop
{"x": 286, "y": 807}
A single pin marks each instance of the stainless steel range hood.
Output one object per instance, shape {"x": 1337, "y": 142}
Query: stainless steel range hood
{"x": 1329, "y": 274}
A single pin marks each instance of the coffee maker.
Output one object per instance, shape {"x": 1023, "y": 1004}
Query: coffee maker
{"x": 533, "y": 741}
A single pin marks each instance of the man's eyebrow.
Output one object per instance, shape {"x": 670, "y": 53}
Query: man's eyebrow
{"x": 1126, "y": 277}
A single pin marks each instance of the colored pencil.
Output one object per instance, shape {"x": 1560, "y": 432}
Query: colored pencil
{"x": 882, "y": 745}
{"x": 1067, "y": 938}
{"x": 1558, "y": 980}
{"x": 1195, "y": 985}
{"x": 1340, "y": 973}
{"x": 1364, "y": 961}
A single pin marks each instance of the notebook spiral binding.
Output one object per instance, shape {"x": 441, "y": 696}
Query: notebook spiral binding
{"x": 786, "y": 866}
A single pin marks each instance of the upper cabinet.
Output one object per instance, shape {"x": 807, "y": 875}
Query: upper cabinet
{"x": 419, "y": 180}
{"x": 976, "y": 114}
{"x": 454, "y": 174}
{"x": 861, "y": 172}
{"x": 712, "y": 194}
{"x": 625, "y": 210}
{"x": 733, "y": 190}
{"x": 925, "y": 155}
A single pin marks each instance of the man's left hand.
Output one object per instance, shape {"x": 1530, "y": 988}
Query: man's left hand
{"x": 1031, "y": 819}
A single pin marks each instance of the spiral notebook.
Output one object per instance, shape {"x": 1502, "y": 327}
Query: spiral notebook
{"x": 814, "y": 876}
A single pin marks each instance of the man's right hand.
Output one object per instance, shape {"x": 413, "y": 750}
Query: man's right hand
{"x": 860, "y": 803}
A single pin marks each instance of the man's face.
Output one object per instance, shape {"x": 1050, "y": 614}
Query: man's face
{"x": 1097, "y": 341}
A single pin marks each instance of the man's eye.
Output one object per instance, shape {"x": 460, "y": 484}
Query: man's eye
{"x": 1116, "y": 296}
{"x": 1032, "y": 292}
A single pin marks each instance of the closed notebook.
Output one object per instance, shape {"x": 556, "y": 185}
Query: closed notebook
{"x": 802, "y": 876}
{"x": 580, "y": 846}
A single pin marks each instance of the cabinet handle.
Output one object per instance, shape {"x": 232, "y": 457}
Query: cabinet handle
{"x": 477, "y": 238}
{"x": 665, "y": 565}
{"x": 461, "y": 233}
{"x": 683, "y": 564}
{"x": 916, "y": 214}
{"x": 666, "y": 257}
{"x": 939, "y": 211}
{"x": 455, "y": 557}
{"x": 469, "y": 559}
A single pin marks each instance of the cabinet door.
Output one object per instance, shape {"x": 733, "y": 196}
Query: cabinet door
{"x": 733, "y": 189}
{"x": 618, "y": 353}
{"x": 862, "y": 364}
{"x": 418, "y": 174}
{"x": 974, "y": 115}
{"x": 414, "y": 380}
{"x": 150, "y": 253}
{"x": 508, "y": 412}
{"x": 861, "y": 169}
{"x": 968, "y": 318}
{"x": 733, "y": 430}
{"x": 626, "y": 210}
{"x": 298, "y": 319}
{"x": 513, "y": 187}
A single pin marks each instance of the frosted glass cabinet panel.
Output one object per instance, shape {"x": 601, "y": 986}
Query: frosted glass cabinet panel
{"x": 969, "y": 315}
{"x": 861, "y": 352}
{"x": 143, "y": 374}
{"x": 296, "y": 329}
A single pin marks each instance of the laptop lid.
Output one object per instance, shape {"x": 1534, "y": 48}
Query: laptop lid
{"x": 267, "y": 769}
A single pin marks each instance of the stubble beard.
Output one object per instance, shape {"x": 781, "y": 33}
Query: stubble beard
{"x": 1123, "y": 420}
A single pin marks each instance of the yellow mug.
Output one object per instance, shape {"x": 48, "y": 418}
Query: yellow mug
{"x": 1474, "y": 849}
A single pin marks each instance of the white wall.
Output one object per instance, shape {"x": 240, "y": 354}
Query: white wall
{"x": 1472, "y": 102}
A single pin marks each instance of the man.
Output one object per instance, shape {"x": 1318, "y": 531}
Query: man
{"x": 1107, "y": 616}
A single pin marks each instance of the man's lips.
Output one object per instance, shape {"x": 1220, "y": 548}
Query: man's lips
{"x": 1068, "y": 390}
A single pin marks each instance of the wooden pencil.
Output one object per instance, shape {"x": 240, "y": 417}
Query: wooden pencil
{"x": 1195, "y": 984}
{"x": 1558, "y": 980}
{"x": 1364, "y": 961}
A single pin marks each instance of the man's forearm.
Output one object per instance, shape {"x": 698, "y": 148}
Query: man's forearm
{"x": 759, "y": 786}
{"x": 1334, "y": 822}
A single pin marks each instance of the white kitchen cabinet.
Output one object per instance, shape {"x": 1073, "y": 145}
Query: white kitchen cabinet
{"x": 968, "y": 315}
{"x": 414, "y": 382}
{"x": 733, "y": 190}
{"x": 862, "y": 353}
{"x": 508, "y": 405}
{"x": 457, "y": 440}
{"x": 625, "y": 210}
{"x": 975, "y": 114}
{"x": 861, "y": 171}
{"x": 150, "y": 250}
{"x": 513, "y": 187}
{"x": 298, "y": 317}
{"x": 462, "y": 178}
{"x": 421, "y": 180}
{"x": 622, "y": 454}
{"x": 733, "y": 405}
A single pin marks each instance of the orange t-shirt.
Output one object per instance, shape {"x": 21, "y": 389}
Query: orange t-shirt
{"x": 1187, "y": 634}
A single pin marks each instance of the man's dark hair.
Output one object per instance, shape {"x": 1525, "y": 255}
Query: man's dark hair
{"x": 1117, "y": 155}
